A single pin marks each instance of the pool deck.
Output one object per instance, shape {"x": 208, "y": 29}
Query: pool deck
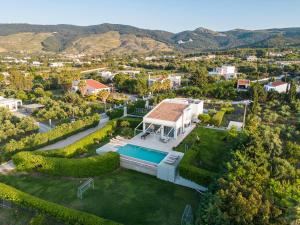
{"x": 153, "y": 142}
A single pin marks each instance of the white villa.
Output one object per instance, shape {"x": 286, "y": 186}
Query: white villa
{"x": 10, "y": 103}
{"x": 175, "y": 80}
{"x": 92, "y": 86}
{"x": 107, "y": 75}
{"x": 171, "y": 117}
{"x": 228, "y": 72}
{"x": 278, "y": 86}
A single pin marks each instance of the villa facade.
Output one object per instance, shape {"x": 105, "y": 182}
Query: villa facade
{"x": 171, "y": 117}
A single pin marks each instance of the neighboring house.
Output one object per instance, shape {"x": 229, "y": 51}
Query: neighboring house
{"x": 107, "y": 75}
{"x": 171, "y": 117}
{"x": 243, "y": 85}
{"x": 129, "y": 72}
{"x": 56, "y": 64}
{"x": 278, "y": 86}
{"x": 10, "y": 103}
{"x": 251, "y": 58}
{"x": 228, "y": 72}
{"x": 175, "y": 80}
{"x": 36, "y": 63}
{"x": 91, "y": 86}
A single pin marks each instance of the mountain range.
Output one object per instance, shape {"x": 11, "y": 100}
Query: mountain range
{"x": 116, "y": 39}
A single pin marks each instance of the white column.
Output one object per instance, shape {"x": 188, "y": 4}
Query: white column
{"x": 162, "y": 132}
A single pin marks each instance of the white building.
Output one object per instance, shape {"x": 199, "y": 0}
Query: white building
{"x": 91, "y": 86}
{"x": 251, "y": 58}
{"x": 278, "y": 86}
{"x": 56, "y": 64}
{"x": 36, "y": 63}
{"x": 10, "y": 103}
{"x": 171, "y": 117}
{"x": 107, "y": 75}
{"x": 228, "y": 72}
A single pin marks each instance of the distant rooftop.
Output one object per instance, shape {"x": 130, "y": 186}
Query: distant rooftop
{"x": 277, "y": 83}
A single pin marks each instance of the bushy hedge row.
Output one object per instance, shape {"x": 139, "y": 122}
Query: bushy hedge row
{"x": 115, "y": 113}
{"x": 77, "y": 147}
{"x": 67, "y": 215}
{"x": 217, "y": 118}
{"x": 39, "y": 140}
{"x": 82, "y": 167}
{"x": 191, "y": 172}
{"x": 133, "y": 122}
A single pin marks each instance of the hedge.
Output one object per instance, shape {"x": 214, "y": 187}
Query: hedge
{"x": 191, "y": 172}
{"x": 133, "y": 122}
{"x": 73, "y": 149}
{"x": 217, "y": 118}
{"x": 39, "y": 140}
{"x": 115, "y": 113}
{"x": 82, "y": 167}
{"x": 67, "y": 215}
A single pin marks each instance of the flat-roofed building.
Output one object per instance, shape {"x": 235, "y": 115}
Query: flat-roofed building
{"x": 10, "y": 103}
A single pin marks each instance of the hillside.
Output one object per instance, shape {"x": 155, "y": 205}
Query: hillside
{"x": 116, "y": 39}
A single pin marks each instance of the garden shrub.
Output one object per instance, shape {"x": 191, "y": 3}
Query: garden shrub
{"x": 188, "y": 170}
{"x": 204, "y": 118}
{"x": 228, "y": 109}
{"x": 217, "y": 118}
{"x": 67, "y": 215}
{"x": 39, "y": 140}
{"x": 82, "y": 167}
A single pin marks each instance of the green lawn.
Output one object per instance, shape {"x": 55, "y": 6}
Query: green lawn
{"x": 213, "y": 150}
{"x": 125, "y": 196}
{"x": 14, "y": 217}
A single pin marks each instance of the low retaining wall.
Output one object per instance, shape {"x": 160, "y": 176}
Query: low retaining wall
{"x": 143, "y": 167}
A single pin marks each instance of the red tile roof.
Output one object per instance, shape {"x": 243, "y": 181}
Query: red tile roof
{"x": 277, "y": 83}
{"x": 167, "y": 111}
{"x": 243, "y": 82}
{"x": 95, "y": 84}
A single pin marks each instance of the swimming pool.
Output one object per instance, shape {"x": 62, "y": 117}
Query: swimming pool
{"x": 142, "y": 153}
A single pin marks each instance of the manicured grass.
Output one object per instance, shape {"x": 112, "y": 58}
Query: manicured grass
{"x": 14, "y": 217}
{"x": 213, "y": 151}
{"x": 124, "y": 196}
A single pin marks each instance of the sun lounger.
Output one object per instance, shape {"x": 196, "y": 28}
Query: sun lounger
{"x": 173, "y": 156}
{"x": 171, "y": 162}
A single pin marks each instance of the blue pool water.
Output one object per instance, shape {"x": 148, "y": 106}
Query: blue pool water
{"x": 142, "y": 153}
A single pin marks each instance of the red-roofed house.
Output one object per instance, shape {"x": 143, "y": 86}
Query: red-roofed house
{"x": 91, "y": 86}
{"x": 243, "y": 84}
{"x": 278, "y": 86}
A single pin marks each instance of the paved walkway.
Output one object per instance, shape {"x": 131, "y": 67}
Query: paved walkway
{"x": 75, "y": 137}
{"x": 9, "y": 166}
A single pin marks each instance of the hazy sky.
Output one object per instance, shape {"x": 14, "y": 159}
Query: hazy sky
{"x": 170, "y": 15}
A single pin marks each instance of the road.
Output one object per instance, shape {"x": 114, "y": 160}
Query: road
{"x": 42, "y": 127}
{"x": 9, "y": 166}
